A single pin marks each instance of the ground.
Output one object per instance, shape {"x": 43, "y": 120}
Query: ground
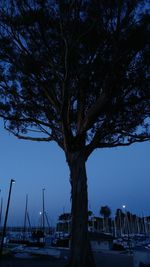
{"x": 103, "y": 259}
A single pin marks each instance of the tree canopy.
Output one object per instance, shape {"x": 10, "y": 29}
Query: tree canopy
{"x": 75, "y": 72}
{"x": 105, "y": 211}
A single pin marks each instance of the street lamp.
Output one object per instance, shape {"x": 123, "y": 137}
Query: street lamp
{"x": 40, "y": 220}
{"x": 12, "y": 181}
{"x": 125, "y": 218}
{"x": 128, "y": 226}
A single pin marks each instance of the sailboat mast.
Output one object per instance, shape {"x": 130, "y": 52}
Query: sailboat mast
{"x": 1, "y": 210}
{"x": 25, "y": 215}
{"x": 43, "y": 198}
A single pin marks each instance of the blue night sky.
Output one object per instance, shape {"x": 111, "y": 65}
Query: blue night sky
{"x": 115, "y": 176}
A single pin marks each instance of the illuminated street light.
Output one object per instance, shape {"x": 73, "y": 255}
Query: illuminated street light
{"x": 12, "y": 181}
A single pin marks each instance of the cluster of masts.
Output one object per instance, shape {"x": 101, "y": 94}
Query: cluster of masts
{"x": 43, "y": 214}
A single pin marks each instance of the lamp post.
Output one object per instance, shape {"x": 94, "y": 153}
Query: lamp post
{"x": 128, "y": 227}
{"x": 6, "y": 216}
{"x": 40, "y": 220}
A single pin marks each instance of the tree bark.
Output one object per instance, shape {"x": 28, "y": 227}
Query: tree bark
{"x": 80, "y": 250}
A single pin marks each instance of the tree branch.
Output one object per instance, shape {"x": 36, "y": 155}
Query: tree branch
{"x": 110, "y": 145}
{"x": 29, "y": 138}
{"x": 94, "y": 111}
{"x": 38, "y": 139}
{"x": 130, "y": 139}
{"x": 14, "y": 118}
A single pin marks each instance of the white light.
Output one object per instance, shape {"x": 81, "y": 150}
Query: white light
{"x": 124, "y": 206}
{"x": 40, "y": 212}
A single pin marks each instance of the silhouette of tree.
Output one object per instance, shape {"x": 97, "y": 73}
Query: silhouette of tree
{"x": 75, "y": 72}
{"x": 105, "y": 211}
{"x": 65, "y": 217}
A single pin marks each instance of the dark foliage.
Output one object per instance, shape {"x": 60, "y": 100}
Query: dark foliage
{"x": 65, "y": 217}
{"x": 105, "y": 211}
{"x": 75, "y": 72}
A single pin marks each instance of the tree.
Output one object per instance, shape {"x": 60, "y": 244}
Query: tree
{"x": 105, "y": 211}
{"x": 75, "y": 72}
{"x": 65, "y": 217}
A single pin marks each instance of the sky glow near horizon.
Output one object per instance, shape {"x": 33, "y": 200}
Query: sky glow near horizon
{"x": 116, "y": 176}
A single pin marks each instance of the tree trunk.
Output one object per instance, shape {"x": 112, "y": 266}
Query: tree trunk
{"x": 80, "y": 250}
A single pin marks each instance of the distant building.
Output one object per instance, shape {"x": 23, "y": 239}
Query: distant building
{"x": 64, "y": 223}
{"x": 101, "y": 241}
{"x": 95, "y": 224}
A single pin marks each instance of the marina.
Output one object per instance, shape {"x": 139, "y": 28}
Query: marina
{"x": 125, "y": 237}
{"x": 133, "y": 249}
